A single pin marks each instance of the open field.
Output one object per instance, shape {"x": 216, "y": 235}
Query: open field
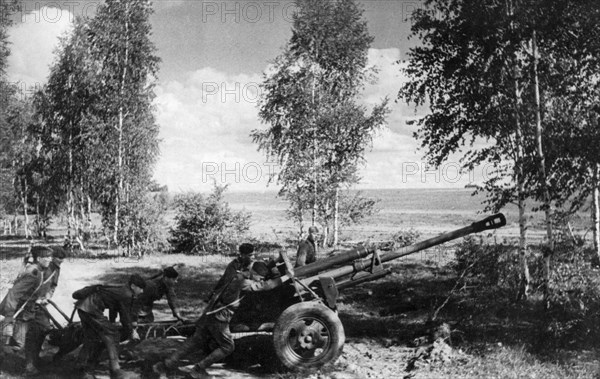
{"x": 429, "y": 211}
{"x": 492, "y": 336}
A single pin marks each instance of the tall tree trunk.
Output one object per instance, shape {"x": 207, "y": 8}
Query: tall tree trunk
{"x": 596, "y": 209}
{"x": 525, "y": 277}
{"x": 80, "y": 220}
{"x": 24, "y": 190}
{"x": 120, "y": 131}
{"x": 314, "y": 152}
{"x": 71, "y": 190}
{"x": 336, "y": 218}
{"x": 542, "y": 169}
{"x": 326, "y": 227}
{"x": 88, "y": 215}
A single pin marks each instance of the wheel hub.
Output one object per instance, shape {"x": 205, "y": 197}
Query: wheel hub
{"x": 309, "y": 335}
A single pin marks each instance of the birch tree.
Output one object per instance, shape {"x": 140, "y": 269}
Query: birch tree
{"x": 471, "y": 74}
{"x": 318, "y": 76}
{"x": 127, "y": 67}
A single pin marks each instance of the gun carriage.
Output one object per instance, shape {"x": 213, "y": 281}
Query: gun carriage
{"x": 301, "y": 311}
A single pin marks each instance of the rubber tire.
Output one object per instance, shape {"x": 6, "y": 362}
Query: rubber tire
{"x": 292, "y": 315}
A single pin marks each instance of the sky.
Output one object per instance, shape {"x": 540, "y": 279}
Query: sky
{"x": 213, "y": 56}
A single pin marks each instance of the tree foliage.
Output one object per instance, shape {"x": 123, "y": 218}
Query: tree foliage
{"x": 206, "y": 224}
{"x": 505, "y": 83}
{"x": 317, "y": 130}
{"x": 97, "y": 122}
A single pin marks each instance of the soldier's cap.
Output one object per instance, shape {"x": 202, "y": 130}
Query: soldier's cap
{"x": 137, "y": 280}
{"x": 59, "y": 252}
{"x": 313, "y": 229}
{"x": 246, "y": 248}
{"x": 39, "y": 251}
{"x": 170, "y": 272}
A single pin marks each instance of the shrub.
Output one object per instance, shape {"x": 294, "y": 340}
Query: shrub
{"x": 574, "y": 283}
{"x": 494, "y": 264}
{"x": 405, "y": 237}
{"x": 207, "y": 224}
{"x": 143, "y": 229}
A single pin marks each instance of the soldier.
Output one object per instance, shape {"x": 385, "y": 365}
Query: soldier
{"x": 157, "y": 287}
{"x": 307, "y": 250}
{"x": 98, "y": 331}
{"x": 212, "y": 329}
{"x": 22, "y": 301}
{"x": 39, "y": 324}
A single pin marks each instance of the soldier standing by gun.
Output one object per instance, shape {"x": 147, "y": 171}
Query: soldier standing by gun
{"x": 23, "y": 301}
{"x": 212, "y": 328}
{"x": 98, "y": 331}
{"x": 307, "y": 250}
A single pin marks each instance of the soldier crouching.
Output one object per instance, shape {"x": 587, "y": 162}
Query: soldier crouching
{"x": 98, "y": 331}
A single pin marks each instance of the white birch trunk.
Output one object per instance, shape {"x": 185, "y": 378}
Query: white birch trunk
{"x": 336, "y": 219}
{"x": 525, "y": 277}
{"x": 542, "y": 169}
{"x": 596, "y": 210}
{"x": 120, "y": 132}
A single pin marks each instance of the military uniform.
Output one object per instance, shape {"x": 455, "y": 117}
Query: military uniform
{"x": 98, "y": 331}
{"x": 154, "y": 291}
{"x": 306, "y": 252}
{"x": 37, "y": 317}
{"x": 28, "y": 281}
{"x": 212, "y": 335}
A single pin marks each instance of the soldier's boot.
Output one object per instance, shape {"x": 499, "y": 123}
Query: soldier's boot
{"x": 117, "y": 374}
{"x": 31, "y": 370}
{"x": 113, "y": 357}
{"x": 33, "y": 346}
{"x": 20, "y": 329}
{"x": 88, "y": 358}
{"x": 199, "y": 370}
{"x": 187, "y": 347}
{"x": 160, "y": 369}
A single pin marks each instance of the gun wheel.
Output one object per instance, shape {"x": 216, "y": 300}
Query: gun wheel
{"x": 308, "y": 335}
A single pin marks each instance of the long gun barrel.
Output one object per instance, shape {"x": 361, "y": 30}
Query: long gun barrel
{"x": 352, "y": 259}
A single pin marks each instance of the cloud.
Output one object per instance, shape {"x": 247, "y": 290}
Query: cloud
{"x": 206, "y": 120}
{"x": 205, "y": 130}
{"x": 394, "y": 148}
{"x": 33, "y": 41}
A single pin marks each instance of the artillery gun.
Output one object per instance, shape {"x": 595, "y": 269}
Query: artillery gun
{"x": 301, "y": 311}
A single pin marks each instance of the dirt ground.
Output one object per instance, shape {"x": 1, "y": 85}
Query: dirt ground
{"x": 387, "y": 333}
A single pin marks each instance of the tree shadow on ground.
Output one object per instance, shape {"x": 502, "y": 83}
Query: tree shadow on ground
{"x": 400, "y": 307}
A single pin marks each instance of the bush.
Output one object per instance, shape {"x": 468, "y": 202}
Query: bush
{"x": 494, "y": 264}
{"x": 405, "y": 238}
{"x": 207, "y": 224}
{"x": 574, "y": 283}
{"x": 143, "y": 229}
